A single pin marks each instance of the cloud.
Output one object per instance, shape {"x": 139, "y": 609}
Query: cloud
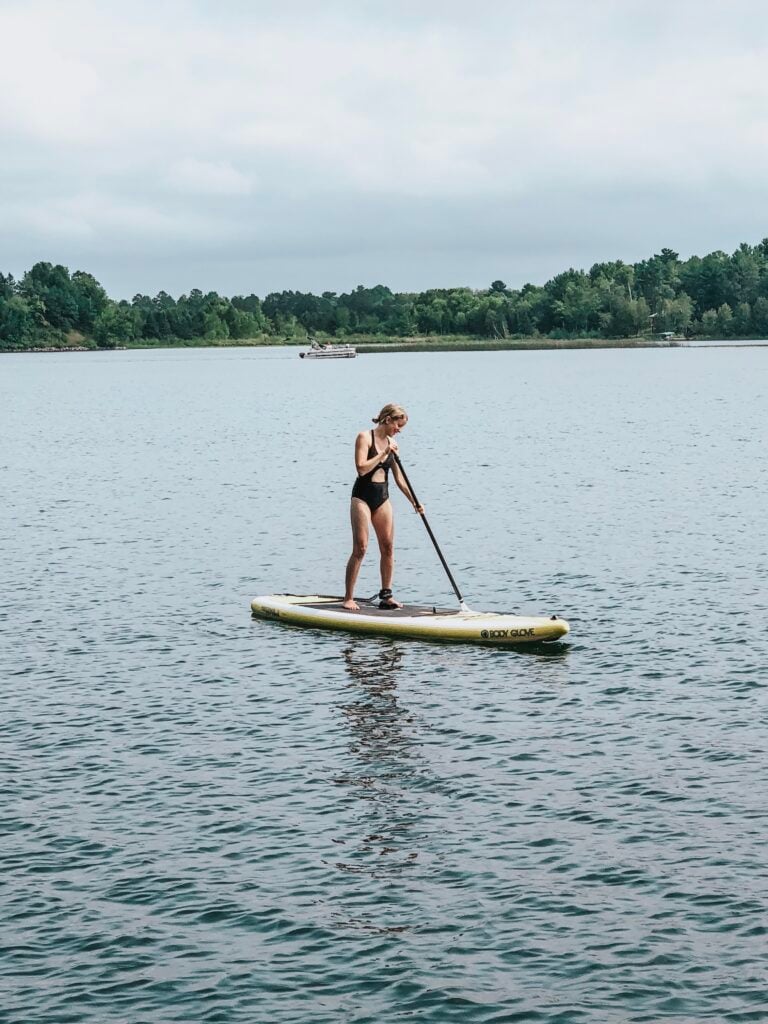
{"x": 292, "y": 127}
{"x": 207, "y": 177}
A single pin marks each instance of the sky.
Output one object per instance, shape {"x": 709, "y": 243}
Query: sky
{"x": 250, "y": 147}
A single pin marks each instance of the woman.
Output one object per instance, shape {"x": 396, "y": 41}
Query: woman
{"x": 375, "y": 452}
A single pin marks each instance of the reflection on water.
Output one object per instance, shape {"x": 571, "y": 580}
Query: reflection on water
{"x": 384, "y": 760}
{"x": 553, "y": 650}
{"x": 376, "y": 719}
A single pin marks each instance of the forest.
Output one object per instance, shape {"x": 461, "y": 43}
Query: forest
{"x": 712, "y": 296}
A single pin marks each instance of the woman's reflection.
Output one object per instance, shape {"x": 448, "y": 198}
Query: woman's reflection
{"x": 384, "y": 761}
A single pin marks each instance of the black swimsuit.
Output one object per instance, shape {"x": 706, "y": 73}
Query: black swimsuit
{"x": 373, "y": 493}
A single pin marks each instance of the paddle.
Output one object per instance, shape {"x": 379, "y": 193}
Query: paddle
{"x": 462, "y": 604}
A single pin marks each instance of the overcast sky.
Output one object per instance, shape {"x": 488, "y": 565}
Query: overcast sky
{"x": 256, "y": 146}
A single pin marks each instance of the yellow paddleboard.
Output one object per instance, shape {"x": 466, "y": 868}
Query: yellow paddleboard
{"x": 422, "y": 622}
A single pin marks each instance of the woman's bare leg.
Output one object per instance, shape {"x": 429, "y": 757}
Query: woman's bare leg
{"x": 384, "y": 525}
{"x": 360, "y": 516}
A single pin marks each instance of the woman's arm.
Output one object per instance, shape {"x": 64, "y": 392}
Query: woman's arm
{"x": 400, "y": 481}
{"x": 362, "y": 463}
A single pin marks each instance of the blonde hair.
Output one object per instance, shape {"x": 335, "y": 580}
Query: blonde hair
{"x": 390, "y": 412}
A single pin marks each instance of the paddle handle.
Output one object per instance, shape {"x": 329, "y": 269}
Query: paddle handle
{"x": 432, "y": 537}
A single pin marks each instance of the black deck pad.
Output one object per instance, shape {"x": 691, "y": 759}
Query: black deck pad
{"x": 369, "y": 608}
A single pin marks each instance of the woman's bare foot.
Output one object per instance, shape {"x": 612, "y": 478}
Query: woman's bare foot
{"x": 351, "y": 604}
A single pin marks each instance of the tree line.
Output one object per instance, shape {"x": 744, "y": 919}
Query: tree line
{"x": 717, "y": 295}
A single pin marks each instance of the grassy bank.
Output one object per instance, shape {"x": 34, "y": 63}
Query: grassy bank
{"x": 79, "y": 343}
{"x": 448, "y": 344}
{"x": 368, "y": 344}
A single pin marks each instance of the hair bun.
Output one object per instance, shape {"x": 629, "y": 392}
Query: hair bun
{"x": 390, "y": 412}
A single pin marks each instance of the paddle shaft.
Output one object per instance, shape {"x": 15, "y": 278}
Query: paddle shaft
{"x": 432, "y": 537}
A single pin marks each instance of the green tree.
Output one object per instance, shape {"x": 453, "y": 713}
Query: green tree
{"x": 658, "y": 278}
{"x": 90, "y": 298}
{"x": 115, "y": 324}
{"x": 52, "y": 287}
{"x": 433, "y": 317}
{"x": 760, "y": 317}
{"x": 243, "y": 324}
{"x": 675, "y": 314}
{"x": 706, "y": 281}
{"x": 343, "y": 321}
{"x": 578, "y": 308}
{"x": 624, "y": 317}
{"x": 18, "y": 328}
{"x": 742, "y": 320}
{"x": 709, "y": 327}
{"x": 7, "y": 286}
{"x": 725, "y": 321}
{"x": 524, "y": 317}
{"x": 746, "y": 267}
{"x": 614, "y": 277}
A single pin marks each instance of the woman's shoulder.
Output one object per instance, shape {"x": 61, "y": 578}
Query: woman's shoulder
{"x": 364, "y": 435}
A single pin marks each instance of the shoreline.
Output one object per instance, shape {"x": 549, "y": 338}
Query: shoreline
{"x": 535, "y": 344}
{"x": 439, "y": 344}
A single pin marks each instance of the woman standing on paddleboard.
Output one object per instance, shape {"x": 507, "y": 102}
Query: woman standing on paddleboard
{"x": 375, "y": 452}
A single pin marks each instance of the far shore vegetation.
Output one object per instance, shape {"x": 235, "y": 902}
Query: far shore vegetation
{"x": 714, "y": 296}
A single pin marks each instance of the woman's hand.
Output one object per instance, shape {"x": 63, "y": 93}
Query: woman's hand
{"x": 418, "y": 508}
{"x": 392, "y": 446}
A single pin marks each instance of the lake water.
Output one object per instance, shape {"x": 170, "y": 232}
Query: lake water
{"x": 208, "y": 818}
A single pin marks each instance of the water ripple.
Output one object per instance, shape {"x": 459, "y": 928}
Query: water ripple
{"x": 211, "y": 819}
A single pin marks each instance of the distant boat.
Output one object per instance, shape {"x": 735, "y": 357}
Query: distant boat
{"x": 329, "y": 351}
